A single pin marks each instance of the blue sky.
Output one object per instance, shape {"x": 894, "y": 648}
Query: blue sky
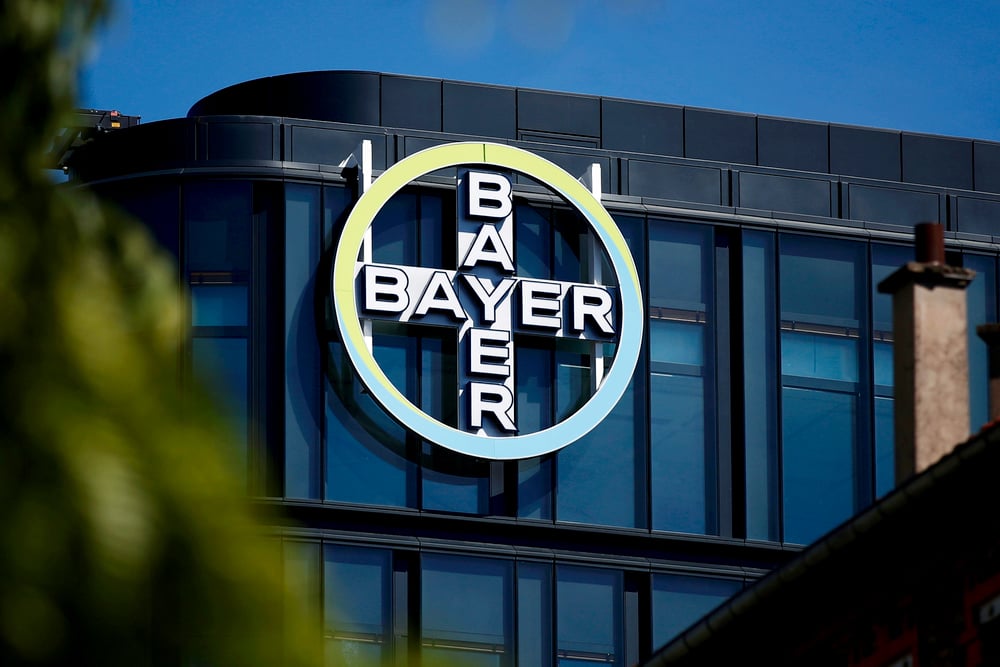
{"x": 920, "y": 66}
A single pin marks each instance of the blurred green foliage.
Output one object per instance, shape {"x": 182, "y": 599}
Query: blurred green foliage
{"x": 125, "y": 534}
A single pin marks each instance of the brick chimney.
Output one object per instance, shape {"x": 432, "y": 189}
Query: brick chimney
{"x": 931, "y": 368}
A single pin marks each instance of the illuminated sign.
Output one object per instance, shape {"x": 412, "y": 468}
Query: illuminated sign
{"x": 487, "y": 303}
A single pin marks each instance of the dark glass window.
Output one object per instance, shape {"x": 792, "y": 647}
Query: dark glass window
{"x": 589, "y": 616}
{"x": 357, "y": 598}
{"x": 600, "y": 479}
{"x": 467, "y": 611}
{"x": 982, "y": 309}
{"x": 302, "y": 365}
{"x": 218, "y": 217}
{"x": 367, "y": 458}
{"x": 534, "y": 614}
{"x": 822, "y": 314}
{"x": 885, "y": 261}
{"x": 682, "y": 433}
{"x": 679, "y": 600}
{"x": 760, "y": 386}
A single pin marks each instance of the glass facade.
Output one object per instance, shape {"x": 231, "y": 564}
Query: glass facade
{"x": 759, "y": 416}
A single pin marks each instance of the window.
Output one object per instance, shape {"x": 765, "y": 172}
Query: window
{"x": 589, "y": 622}
{"x": 467, "y": 611}
{"x": 681, "y": 384}
{"x": 357, "y": 605}
{"x": 217, "y": 266}
{"x": 885, "y": 261}
{"x": 679, "y": 601}
{"x": 822, "y": 314}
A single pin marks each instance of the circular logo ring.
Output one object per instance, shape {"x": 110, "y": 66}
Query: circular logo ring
{"x": 573, "y": 192}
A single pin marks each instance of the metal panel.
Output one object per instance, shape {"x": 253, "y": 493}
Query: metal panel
{"x": 987, "y": 166}
{"x": 486, "y": 111}
{"x": 937, "y": 161}
{"x": 793, "y": 144}
{"x": 675, "y": 181}
{"x": 783, "y": 193}
{"x": 860, "y": 151}
{"x": 558, "y": 112}
{"x": 411, "y": 102}
{"x": 891, "y": 205}
{"x": 330, "y": 146}
{"x": 978, "y": 216}
{"x": 719, "y": 135}
{"x": 239, "y": 141}
{"x": 642, "y": 128}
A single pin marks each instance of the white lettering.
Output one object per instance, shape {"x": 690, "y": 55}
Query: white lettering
{"x": 500, "y": 403}
{"x": 488, "y": 295}
{"x": 487, "y": 344}
{"x": 498, "y": 195}
{"x": 440, "y": 295}
{"x": 537, "y": 298}
{"x": 385, "y": 289}
{"x": 488, "y": 247}
{"x": 595, "y": 302}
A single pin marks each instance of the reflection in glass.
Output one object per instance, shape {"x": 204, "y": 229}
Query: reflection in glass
{"x": 223, "y": 363}
{"x": 366, "y": 450}
{"x": 589, "y": 623}
{"x": 823, "y": 294}
{"x": 534, "y": 614}
{"x": 818, "y": 461}
{"x": 760, "y": 385}
{"x": 467, "y": 611}
{"x": 219, "y": 305}
{"x": 886, "y": 259}
{"x": 679, "y": 601}
{"x": 682, "y": 433}
{"x": 356, "y": 605}
{"x": 982, "y": 309}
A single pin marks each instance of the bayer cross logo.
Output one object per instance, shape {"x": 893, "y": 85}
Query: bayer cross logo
{"x": 487, "y": 303}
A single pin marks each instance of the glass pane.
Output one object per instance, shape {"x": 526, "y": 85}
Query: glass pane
{"x": 819, "y": 356}
{"x": 982, "y": 309}
{"x": 466, "y": 610}
{"x": 356, "y": 605}
{"x": 222, "y": 362}
{"x": 885, "y": 458}
{"x": 533, "y": 241}
{"x": 437, "y": 236}
{"x": 567, "y": 244}
{"x": 679, "y": 265}
{"x": 394, "y": 231}
{"x": 302, "y": 577}
{"x": 217, "y": 217}
{"x": 883, "y": 357}
{"x": 682, "y": 471}
{"x": 534, "y": 614}
{"x": 682, "y": 440}
{"x": 303, "y": 408}
{"x": 451, "y": 482}
{"x": 597, "y": 474}
{"x": 818, "y": 461}
{"x": 820, "y": 279}
{"x": 886, "y": 260}
{"x": 677, "y": 342}
{"x": 760, "y": 385}
{"x": 589, "y": 623}
{"x": 679, "y": 601}
{"x": 532, "y": 373}
{"x": 219, "y": 305}
{"x": 366, "y": 450}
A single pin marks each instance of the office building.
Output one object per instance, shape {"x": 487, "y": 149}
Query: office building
{"x": 710, "y": 373}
